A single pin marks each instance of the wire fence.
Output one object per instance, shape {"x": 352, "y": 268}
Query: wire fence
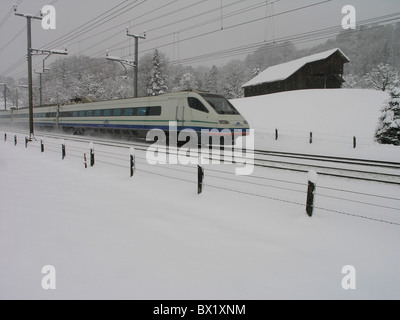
{"x": 231, "y": 183}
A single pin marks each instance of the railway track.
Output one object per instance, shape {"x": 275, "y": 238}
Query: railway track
{"x": 339, "y": 167}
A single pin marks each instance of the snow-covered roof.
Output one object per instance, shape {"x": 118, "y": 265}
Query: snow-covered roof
{"x": 285, "y": 70}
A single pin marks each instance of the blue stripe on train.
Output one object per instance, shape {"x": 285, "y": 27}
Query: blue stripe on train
{"x": 134, "y": 127}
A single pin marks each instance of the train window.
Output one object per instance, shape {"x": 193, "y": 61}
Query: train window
{"x": 129, "y": 112}
{"x": 89, "y": 113}
{"x": 142, "y": 112}
{"x": 82, "y": 114}
{"x": 196, "y": 104}
{"x": 220, "y": 104}
{"x": 98, "y": 113}
{"x": 75, "y": 114}
{"x": 107, "y": 113}
{"x": 67, "y": 114}
{"x": 117, "y": 112}
{"x": 154, "y": 111}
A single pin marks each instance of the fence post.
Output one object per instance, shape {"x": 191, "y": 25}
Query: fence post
{"x": 85, "y": 160}
{"x": 311, "y": 137}
{"x": 92, "y": 162}
{"x": 132, "y": 164}
{"x": 200, "y": 179}
{"x": 63, "y": 151}
{"x": 5, "y": 137}
{"x": 276, "y": 135}
{"x": 312, "y": 183}
{"x": 354, "y": 142}
{"x": 41, "y": 146}
{"x": 15, "y": 140}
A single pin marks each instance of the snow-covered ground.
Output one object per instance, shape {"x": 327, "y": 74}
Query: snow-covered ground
{"x": 153, "y": 237}
{"x": 333, "y": 116}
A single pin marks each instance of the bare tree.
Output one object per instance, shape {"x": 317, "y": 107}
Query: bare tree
{"x": 382, "y": 77}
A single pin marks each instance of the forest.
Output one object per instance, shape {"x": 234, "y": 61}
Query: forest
{"x": 374, "y": 52}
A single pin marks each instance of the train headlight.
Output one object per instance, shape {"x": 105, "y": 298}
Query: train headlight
{"x": 245, "y": 122}
{"x": 223, "y": 122}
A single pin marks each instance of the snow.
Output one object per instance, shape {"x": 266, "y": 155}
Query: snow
{"x": 312, "y": 176}
{"x": 334, "y": 116}
{"x": 285, "y": 70}
{"x": 152, "y": 237}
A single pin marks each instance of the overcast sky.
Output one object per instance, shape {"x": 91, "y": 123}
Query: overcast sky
{"x": 183, "y": 29}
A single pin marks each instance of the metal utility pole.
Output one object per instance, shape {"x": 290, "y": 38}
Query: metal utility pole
{"x": 136, "y": 68}
{"x": 29, "y": 18}
{"x": 124, "y": 63}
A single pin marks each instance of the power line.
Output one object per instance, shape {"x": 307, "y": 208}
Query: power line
{"x": 303, "y": 37}
{"x": 63, "y": 38}
{"x": 8, "y": 15}
{"x": 119, "y": 25}
{"x": 115, "y": 34}
{"x": 227, "y": 28}
{"x": 300, "y": 38}
{"x": 217, "y": 30}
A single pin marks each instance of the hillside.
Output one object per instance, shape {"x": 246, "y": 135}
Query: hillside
{"x": 333, "y": 116}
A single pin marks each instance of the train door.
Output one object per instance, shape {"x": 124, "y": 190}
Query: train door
{"x": 180, "y": 113}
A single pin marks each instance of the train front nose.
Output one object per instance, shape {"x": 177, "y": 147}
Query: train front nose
{"x": 238, "y": 125}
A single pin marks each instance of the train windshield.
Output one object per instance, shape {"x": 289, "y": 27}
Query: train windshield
{"x": 220, "y": 104}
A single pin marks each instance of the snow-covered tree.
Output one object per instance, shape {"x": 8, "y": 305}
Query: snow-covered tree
{"x": 188, "y": 81}
{"x": 256, "y": 71}
{"x": 352, "y": 81}
{"x": 211, "y": 80}
{"x": 382, "y": 77}
{"x": 235, "y": 77}
{"x": 388, "y": 131}
{"x": 157, "y": 84}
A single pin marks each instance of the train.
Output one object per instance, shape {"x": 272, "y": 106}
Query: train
{"x": 135, "y": 117}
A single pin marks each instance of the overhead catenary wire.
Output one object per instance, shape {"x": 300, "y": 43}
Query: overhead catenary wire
{"x": 251, "y": 48}
{"x": 229, "y": 52}
{"x": 88, "y": 24}
{"x": 15, "y": 37}
{"x": 63, "y": 39}
{"x": 9, "y": 13}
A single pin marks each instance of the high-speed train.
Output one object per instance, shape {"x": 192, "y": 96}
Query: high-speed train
{"x": 137, "y": 116}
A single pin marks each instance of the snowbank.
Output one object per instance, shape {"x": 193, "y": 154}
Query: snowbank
{"x": 333, "y": 116}
{"x": 152, "y": 237}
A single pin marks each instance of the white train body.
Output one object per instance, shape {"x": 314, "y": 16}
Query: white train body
{"x": 135, "y": 117}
